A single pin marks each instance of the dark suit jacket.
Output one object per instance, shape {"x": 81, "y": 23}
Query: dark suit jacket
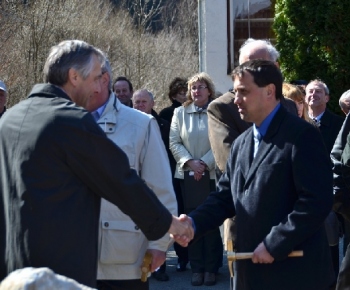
{"x": 225, "y": 125}
{"x": 289, "y": 105}
{"x": 340, "y": 156}
{"x": 329, "y": 128}
{"x": 164, "y": 127}
{"x": 56, "y": 164}
{"x": 168, "y": 112}
{"x": 282, "y": 198}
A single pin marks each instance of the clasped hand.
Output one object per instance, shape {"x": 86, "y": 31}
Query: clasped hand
{"x": 181, "y": 230}
{"x": 198, "y": 167}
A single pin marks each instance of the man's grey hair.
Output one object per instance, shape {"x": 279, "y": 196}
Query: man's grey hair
{"x": 322, "y": 84}
{"x": 344, "y": 97}
{"x": 145, "y": 91}
{"x": 68, "y": 54}
{"x": 272, "y": 51}
{"x": 106, "y": 68}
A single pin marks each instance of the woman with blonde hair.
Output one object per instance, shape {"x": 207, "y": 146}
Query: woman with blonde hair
{"x": 293, "y": 93}
{"x": 189, "y": 143}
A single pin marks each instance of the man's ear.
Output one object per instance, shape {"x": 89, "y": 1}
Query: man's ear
{"x": 327, "y": 98}
{"x": 105, "y": 78}
{"x": 271, "y": 90}
{"x": 73, "y": 76}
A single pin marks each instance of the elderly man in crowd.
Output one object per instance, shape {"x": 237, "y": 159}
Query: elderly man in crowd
{"x": 329, "y": 124}
{"x": 143, "y": 100}
{"x": 122, "y": 245}
{"x": 344, "y": 102}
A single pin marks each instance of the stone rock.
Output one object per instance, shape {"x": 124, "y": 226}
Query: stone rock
{"x": 39, "y": 279}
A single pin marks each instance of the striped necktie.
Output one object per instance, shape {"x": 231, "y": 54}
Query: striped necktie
{"x": 257, "y": 139}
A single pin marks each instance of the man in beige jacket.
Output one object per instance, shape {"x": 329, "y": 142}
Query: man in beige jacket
{"x": 122, "y": 245}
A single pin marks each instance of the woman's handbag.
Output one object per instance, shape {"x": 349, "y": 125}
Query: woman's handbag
{"x": 195, "y": 191}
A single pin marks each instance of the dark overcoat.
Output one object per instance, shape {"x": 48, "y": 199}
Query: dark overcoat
{"x": 56, "y": 164}
{"x": 280, "y": 198}
{"x": 330, "y": 125}
{"x": 341, "y": 188}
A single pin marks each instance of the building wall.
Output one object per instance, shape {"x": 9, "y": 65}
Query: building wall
{"x": 213, "y": 42}
{"x": 213, "y": 52}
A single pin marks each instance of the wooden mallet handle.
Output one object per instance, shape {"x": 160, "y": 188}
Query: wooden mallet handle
{"x": 146, "y": 266}
{"x": 232, "y": 256}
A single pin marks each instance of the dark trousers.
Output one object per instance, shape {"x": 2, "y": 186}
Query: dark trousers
{"x": 136, "y": 284}
{"x": 346, "y": 227}
{"x": 206, "y": 254}
{"x": 181, "y": 252}
{"x": 162, "y": 268}
{"x": 335, "y": 259}
{"x": 343, "y": 282}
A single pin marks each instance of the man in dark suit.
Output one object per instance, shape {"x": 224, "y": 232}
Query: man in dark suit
{"x": 269, "y": 185}
{"x": 341, "y": 188}
{"x": 224, "y": 122}
{"x": 317, "y": 97}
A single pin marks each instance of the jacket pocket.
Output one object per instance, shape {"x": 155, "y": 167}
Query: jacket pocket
{"x": 121, "y": 242}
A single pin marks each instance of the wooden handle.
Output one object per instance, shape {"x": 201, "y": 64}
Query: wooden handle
{"x": 146, "y": 266}
{"x": 232, "y": 256}
{"x": 230, "y": 247}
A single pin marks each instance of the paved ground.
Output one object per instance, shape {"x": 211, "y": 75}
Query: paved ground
{"x": 182, "y": 280}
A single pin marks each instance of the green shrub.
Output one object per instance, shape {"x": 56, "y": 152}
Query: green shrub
{"x": 313, "y": 39}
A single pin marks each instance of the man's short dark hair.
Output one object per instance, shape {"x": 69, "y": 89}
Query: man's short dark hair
{"x": 123, "y": 79}
{"x": 264, "y": 72}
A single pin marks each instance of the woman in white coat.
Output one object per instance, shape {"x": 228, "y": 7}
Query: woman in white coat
{"x": 189, "y": 143}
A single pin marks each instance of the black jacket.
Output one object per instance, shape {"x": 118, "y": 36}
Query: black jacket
{"x": 168, "y": 112}
{"x": 340, "y": 156}
{"x": 329, "y": 127}
{"x": 164, "y": 127}
{"x": 56, "y": 164}
{"x": 280, "y": 198}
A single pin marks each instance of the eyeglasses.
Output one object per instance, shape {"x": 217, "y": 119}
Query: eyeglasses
{"x": 199, "y": 88}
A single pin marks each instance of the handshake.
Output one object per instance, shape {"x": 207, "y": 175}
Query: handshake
{"x": 181, "y": 230}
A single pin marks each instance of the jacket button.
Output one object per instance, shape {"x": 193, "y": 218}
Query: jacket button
{"x": 110, "y": 129}
{"x": 106, "y": 224}
{"x": 137, "y": 228}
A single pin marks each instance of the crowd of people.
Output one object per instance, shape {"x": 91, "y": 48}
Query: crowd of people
{"x": 93, "y": 179}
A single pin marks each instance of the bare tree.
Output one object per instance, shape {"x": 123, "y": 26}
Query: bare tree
{"x": 181, "y": 16}
{"x": 30, "y": 29}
